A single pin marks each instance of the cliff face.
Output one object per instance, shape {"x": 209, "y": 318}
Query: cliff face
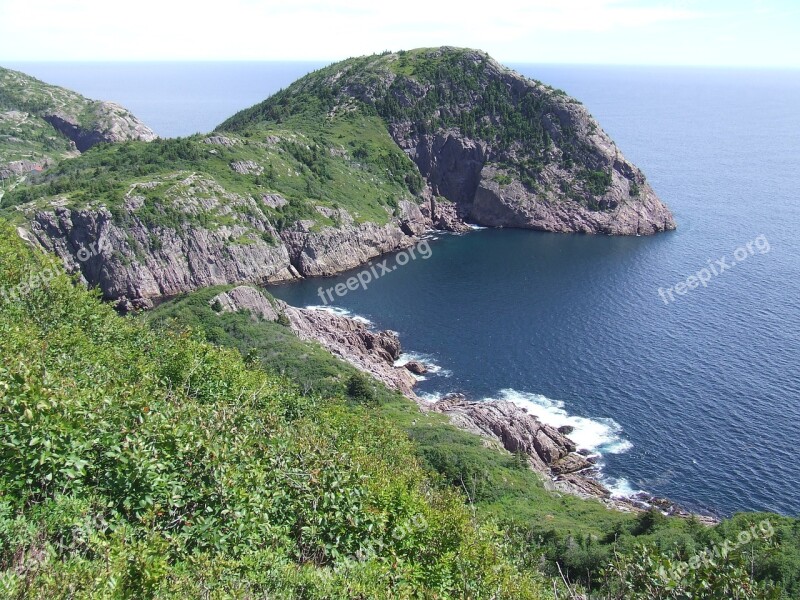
{"x": 573, "y": 178}
{"x": 507, "y": 150}
{"x": 135, "y": 260}
{"x": 487, "y": 193}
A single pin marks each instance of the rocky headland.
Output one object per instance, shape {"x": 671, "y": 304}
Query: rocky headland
{"x": 350, "y": 162}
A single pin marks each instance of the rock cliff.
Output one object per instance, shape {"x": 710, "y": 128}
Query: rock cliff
{"x": 223, "y": 238}
{"x": 506, "y": 150}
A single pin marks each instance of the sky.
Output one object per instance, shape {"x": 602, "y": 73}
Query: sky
{"x": 745, "y": 33}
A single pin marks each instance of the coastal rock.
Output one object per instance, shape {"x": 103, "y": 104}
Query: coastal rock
{"x": 571, "y": 463}
{"x": 618, "y": 211}
{"x": 137, "y": 260}
{"x": 516, "y": 430}
{"x": 335, "y": 249}
{"x": 584, "y": 487}
{"x": 442, "y": 213}
{"x": 580, "y": 183}
{"x": 416, "y": 367}
{"x": 373, "y": 352}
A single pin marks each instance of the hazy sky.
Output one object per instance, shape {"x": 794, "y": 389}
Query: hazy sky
{"x": 684, "y": 32}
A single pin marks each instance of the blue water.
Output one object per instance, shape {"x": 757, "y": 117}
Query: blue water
{"x": 697, "y": 400}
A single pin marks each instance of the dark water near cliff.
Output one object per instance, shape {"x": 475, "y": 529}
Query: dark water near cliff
{"x": 697, "y": 400}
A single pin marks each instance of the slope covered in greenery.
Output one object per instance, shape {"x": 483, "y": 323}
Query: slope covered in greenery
{"x": 138, "y": 464}
{"x": 353, "y": 166}
{"x": 617, "y": 555}
{"x": 440, "y": 89}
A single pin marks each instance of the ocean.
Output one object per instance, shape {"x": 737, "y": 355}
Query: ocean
{"x": 674, "y": 356}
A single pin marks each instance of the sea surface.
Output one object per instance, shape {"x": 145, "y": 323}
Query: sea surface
{"x": 695, "y": 397}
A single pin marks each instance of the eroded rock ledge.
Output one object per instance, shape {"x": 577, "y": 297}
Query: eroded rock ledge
{"x": 373, "y": 352}
{"x": 135, "y": 261}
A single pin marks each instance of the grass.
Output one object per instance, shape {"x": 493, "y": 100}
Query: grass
{"x": 351, "y": 164}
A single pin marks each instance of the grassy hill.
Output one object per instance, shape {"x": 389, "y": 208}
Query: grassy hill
{"x": 139, "y": 464}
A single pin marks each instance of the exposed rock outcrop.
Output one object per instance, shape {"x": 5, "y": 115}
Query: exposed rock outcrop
{"x": 135, "y": 260}
{"x": 518, "y": 431}
{"x": 246, "y": 298}
{"x": 110, "y": 123}
{"x": 247, "y": 167}
{"x": 373, "y": 352}
{"x": 549, "y": 451}
{"x": 353, "y": 341}
{"x": 416, "y": 367}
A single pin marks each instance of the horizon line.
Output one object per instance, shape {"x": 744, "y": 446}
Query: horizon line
{"x": 321, "y": 61}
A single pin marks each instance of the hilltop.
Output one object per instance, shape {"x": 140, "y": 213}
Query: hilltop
{"x": 509, "y": 151}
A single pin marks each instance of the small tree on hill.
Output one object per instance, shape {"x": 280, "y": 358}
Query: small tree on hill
{"x": 360, "y": 390}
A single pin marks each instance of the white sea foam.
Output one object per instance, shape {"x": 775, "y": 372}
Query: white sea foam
{"x": 475, "y": 227}
{"x": 431, "y": 397}
{"x": 339, "y": 311}
{"x": 620, "y": 487}
{"x": 427, "y": 359}
{"x": 596, "y": 435}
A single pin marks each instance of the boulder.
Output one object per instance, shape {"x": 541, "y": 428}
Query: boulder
{"x": 416, "y": 367}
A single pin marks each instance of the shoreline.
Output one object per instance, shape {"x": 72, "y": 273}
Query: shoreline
{"x": 505, "y": 425}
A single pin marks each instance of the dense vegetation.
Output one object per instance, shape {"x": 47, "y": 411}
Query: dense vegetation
{"x": 138, "y": 464}
{"x": 353, "y": 165}
{"x": 593, "y": 546}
